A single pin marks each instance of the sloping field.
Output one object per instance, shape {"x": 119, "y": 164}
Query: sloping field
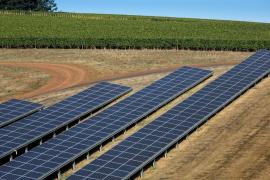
{"x": 67, "y": 30}
{"x": 232, "y": 145}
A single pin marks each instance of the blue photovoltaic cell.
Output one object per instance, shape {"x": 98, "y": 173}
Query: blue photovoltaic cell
{"x": 58, "y": 152}
{"x": 14, "y": 110}
{"x": 134, "y": 153}
{"x": 22, "y": 133}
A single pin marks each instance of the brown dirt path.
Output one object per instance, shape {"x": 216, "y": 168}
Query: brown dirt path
{"x": 64, "y": 76}
{"x": 61, "y": 76}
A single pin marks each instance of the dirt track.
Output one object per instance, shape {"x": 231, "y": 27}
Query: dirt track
{"x": 61, "y": 76}
{"x": 68, "y": 75}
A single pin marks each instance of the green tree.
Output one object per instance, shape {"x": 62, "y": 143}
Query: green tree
{"x": 27, "y": 5}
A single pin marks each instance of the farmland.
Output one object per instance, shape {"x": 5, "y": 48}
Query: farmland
{"x": 67, "y": 30}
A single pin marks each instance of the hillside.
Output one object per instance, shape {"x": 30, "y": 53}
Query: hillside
{"x": 66, "y": 30}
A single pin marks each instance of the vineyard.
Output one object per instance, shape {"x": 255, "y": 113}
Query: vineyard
{"x": 69, "y": 30}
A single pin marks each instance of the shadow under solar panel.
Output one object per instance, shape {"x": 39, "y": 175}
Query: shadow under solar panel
{"x": 130, "y": 156}
{"x": 48, "y": 158}
{"x": 15, "y": 109}
{"x": 21, "y": 134}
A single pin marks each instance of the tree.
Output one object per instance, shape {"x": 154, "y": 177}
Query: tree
{"x": 28, "y": 5}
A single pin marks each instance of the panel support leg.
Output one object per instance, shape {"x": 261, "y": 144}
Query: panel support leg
{"x": 113, "y": 139}
{"x": 125, "y": 131}
{"x": 66, "y": 128}
{"x": 73, "y": 165}
{"x": 100, "y": 148}
{"x": 166, "y": 154}
{"x": 26, "y": 150}
{"x": 87, "y": 156}
{"x": 141, "y": 174}
{"x": 177, "y": 145}
{"x": 10, "y": 157}
{"x": 59, "y": 175}
{"x": 54, "y": 134}
{"x": 40, "y": 142}
{"x": 154, "y": 164}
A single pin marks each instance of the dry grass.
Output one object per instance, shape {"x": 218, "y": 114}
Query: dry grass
{"x": 16, "y": 80}
{"x": 121, "y": 61}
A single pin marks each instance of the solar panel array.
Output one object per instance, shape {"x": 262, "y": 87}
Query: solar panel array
{"x": 143, "y": 147}
{"x": 24, "y": 132}
{"x": 48, "y": 158}
{"x": 14, "y": 109}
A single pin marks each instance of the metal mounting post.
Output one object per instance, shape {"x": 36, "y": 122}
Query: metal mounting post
{"x": 73, "y": 166}
{"x": 100, "y": 148}
{"x": 166, "y": 154}
{"x": 154, "y": 164}
{"x": 59, "y": 175}
{"x": 141, "y": 174}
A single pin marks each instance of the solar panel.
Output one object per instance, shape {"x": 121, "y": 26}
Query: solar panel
{"x": 31, "y": 129}
{"x": 143, "y": 147}
{"x": 14, "y": 109}
{"x": 79, "y": 140}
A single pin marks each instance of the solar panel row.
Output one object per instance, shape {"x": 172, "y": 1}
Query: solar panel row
{"x": 22, "y": 133}
{"x": 51, "y": 156}
{"x": 14, "y": 109}
{"x": 134, "y": 153}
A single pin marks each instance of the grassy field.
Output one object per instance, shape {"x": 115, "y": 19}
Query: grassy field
{"x": 65, "y": 30}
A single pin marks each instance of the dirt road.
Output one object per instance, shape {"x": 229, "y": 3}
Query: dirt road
{"x": 61, "y": 76}
{"x": 69, "y": 75}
